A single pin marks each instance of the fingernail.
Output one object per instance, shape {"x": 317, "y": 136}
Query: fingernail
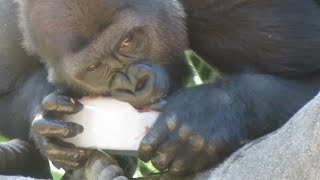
{"x": 80, "y": 129}
{"x": 72, "y": 101}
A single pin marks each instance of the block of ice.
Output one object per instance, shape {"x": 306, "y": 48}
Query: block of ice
{"x": 111, "y": 124}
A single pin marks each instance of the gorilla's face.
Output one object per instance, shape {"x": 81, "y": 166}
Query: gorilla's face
{"x": 130, "y": 49}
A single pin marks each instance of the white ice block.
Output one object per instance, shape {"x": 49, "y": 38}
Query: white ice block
{"x": 111, "y": 124}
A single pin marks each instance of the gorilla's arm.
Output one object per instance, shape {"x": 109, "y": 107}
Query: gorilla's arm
{"x": 15, "y": 64}
{"x": 21, "y": 77}
{"x": 204, "y": 124}
{"x": 21, "y": 81}
{"x": 22, "y": 157}
{"x": 17, "y": 109}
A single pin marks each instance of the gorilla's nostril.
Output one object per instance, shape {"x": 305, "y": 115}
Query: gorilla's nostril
{"x": 141, "y": 84}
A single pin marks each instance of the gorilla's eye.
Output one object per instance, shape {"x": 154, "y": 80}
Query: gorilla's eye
{"x": 126, "y": 42}
{"x": 94, "y": 66}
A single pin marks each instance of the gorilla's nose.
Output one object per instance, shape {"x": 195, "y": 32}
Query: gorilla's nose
{"x": 140, "y": 84}
{"x": 138, "y": 80}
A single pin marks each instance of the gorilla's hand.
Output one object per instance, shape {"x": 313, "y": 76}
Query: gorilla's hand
{"x": 100, "y": 166}
{"x": 194, "y": 131}
{"x": 49, "y": 127}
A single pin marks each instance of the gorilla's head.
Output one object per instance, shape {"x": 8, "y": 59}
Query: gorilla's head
{"x": 130, "y": 49}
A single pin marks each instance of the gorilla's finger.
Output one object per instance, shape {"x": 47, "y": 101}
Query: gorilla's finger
{"x": 65, "y": 164}
{"x": 61, "y": 104}
{"x": 197, "y": 143}
{"x": 182, "y": 165}
{"x": 56, "y": 128}
{"x": 110, "y": 172}
{"x": 212, "y": 153}
{"x": 55, "y": 152}
{"x": 184, "y": 161}
{"x": 217, "y": 148}
{"x": 157, "y": 135}
{"x": 167, "y": 152}
{"x": 158, "y": 106}
{"x": 203, "y": 162}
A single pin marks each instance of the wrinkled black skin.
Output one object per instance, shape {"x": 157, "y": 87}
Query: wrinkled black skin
{"x": 268, "y": 52}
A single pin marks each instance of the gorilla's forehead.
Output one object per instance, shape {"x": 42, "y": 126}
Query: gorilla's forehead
{"x": 89, "y": 17}
{"x": 79, "y": 15}
{"x": 62, "y": 26}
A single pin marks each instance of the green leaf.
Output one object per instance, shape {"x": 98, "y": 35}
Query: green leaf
{"x": 56, "y": 173}
{"x": 202, "y": 72}
{"x": 3, "y": 138}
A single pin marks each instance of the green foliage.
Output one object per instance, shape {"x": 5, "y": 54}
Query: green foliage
{"x": 3, "y": 138}
{"x": 145, "y": 169}
{"x": 202, "y": 72}
{"x": 55, "y": 172}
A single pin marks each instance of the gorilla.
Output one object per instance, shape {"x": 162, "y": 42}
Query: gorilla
{"x": 266, "y": 50}
{"x": 109, "y": 47}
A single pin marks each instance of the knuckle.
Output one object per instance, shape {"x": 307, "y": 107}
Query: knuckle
{"x": 197, "y": 142}
{"x": 52, "y": 150}
{"x": 185, "y": 132}
{"x": 145, "y": 147}
{"x": 161, "y": 161}
{"x": 178, "y": 164}
{"x": 40, "y": 127}
{"x": 49, "y": 102}
{"x": 69, "y": 164}
{"x": 172, "y": 122}
{"x": 177, "y": 169}
{"x": 80, "y": 155}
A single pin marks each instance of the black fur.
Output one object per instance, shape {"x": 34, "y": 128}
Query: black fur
{"x": 268, "y": 53}
{"x": 17, "y": 157}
